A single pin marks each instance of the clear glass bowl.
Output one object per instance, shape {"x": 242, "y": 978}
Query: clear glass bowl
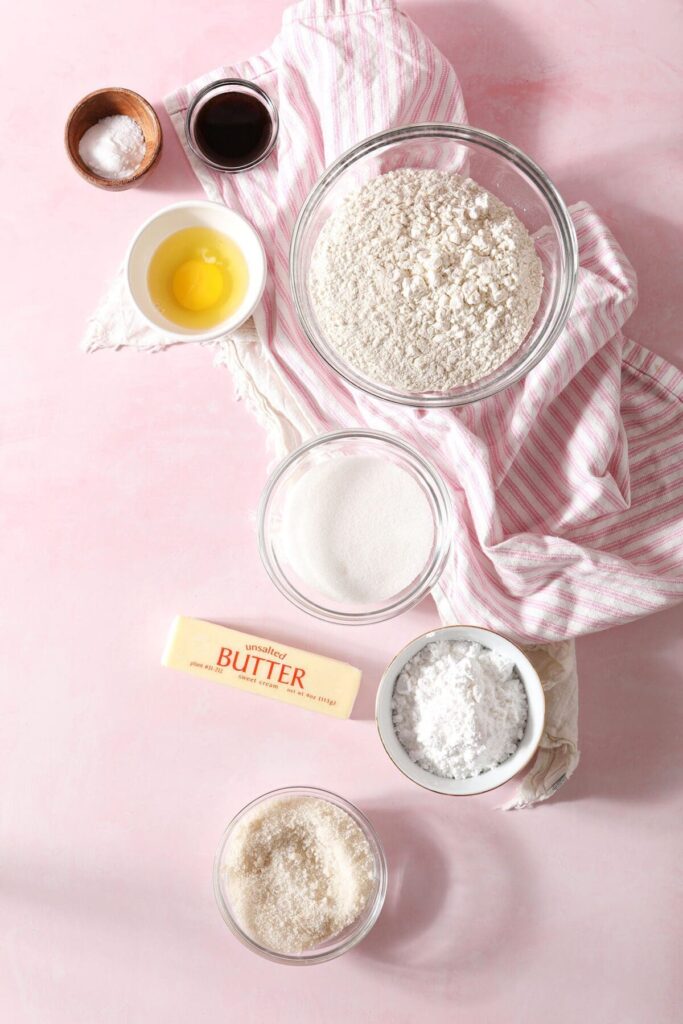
{"x": 494, "y": 777}
{"x": 228, "y": 85}
{"x": 338, "y": 944}
{"x": 272, "y": 544}
{"x": 496, "y": 165}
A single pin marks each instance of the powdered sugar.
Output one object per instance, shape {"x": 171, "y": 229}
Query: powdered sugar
{"x": 424, "y": 281}
{"x": 459, "y": 709}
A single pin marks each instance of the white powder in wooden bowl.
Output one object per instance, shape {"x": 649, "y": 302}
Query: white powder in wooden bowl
{"x": 299, "y": 871}
{"x": 114, "y": 147}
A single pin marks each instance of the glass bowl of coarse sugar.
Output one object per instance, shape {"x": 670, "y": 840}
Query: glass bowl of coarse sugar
{"x": 300, "y": 876}
{"x": 355, "y": 527}
{"x": 460, "y": 710}
{"x": 433, "y": 265}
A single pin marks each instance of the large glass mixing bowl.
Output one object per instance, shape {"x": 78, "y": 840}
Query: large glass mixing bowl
{"x": 496, "y": 165}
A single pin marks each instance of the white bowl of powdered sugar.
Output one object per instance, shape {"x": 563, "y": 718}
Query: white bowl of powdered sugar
{"x": 460, "y": 710}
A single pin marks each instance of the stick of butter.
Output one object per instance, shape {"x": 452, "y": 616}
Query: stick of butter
{"x": 260, "y": 666}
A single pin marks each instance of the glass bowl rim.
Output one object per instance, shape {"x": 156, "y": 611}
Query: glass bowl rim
{"x": 355, "y": 936}
{"x": 560, "y": 217}
{"x": 442, "y": 506}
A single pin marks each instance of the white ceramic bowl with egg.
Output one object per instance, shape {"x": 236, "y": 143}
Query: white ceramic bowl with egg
{"x": 175, "y": 218}
{"x": 487, "y": 780}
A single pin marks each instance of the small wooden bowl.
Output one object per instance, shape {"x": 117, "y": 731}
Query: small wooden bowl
{"x": 104, "y": 103}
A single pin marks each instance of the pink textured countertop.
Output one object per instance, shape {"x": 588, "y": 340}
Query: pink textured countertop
{"x": 129, "y": 485}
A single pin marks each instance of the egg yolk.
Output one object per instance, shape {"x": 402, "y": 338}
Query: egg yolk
{"x": 197, "y": 285}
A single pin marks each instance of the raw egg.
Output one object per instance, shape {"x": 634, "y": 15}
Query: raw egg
{"x": 197, "y": 277}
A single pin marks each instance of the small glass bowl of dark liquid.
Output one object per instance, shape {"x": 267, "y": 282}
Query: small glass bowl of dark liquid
{"x": 232, "y": 125}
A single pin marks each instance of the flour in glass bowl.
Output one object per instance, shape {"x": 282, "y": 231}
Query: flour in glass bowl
{"x": 424, "y": 281}
{"x": 459, "y": 709}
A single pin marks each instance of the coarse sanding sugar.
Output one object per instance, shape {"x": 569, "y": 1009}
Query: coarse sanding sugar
{"x": 299, "y": 871}
{"x": 459, "y": 708}
{"x": 424, "y": 281}
{"x": 357, "y": 528}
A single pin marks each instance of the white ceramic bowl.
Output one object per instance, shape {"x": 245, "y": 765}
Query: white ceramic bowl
{"x": 501, "y": 773}
{"x": 190, "y": 215}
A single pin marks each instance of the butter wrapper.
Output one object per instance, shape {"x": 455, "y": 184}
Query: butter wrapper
{"x": 260, "y": 666}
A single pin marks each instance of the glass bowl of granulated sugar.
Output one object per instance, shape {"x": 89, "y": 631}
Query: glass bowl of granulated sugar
{"x": 460, "y": 710}
{"x": 355, "y": 527}
{"x": 433, "y": 265}
{"x": 300, "y": 876}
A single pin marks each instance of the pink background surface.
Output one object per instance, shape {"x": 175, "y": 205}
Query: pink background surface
{"x": 129, "y": 485}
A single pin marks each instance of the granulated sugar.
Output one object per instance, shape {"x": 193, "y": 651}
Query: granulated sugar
{"x": 358, "y": 528}
{"x": 459, "y": 709}
{"x": 424, "y": 281}
{"x": 300, "y": 870}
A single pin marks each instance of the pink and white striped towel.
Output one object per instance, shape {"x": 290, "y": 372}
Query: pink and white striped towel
{"x": 568, "y": 486}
